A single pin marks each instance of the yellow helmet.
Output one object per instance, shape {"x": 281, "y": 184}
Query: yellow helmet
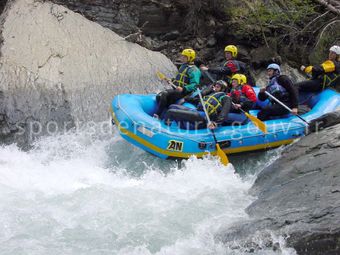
{"x": 190, "y": 54}
{"x": 232, "y": 49}
{"x": 241, "y": 78}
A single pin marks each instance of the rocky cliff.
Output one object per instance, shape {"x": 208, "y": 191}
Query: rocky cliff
{"x": 58, "y": 66}
{"x": 296, "y": 31}
{"x": 298, "y": 198}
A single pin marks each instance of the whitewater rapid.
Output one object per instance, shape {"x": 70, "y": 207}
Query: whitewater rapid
{"x": 88, "y": 192}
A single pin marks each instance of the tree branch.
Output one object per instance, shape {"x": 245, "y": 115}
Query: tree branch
{"x": 311, "y": 22}
{"x": 329, "y": 4}
{"x": 324, "y": 29}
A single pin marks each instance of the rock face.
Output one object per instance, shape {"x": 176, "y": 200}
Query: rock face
{"x": 58, "y": 66}
{"x": 126, "y": 17}
{"x": 298, "y": 197}
{"x": 208, "y": 25}
{"x": 167, "y": 26}
{"x": 162, "y": 25}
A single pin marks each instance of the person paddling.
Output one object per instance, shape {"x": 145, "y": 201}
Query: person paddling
{"x": 230, "y": 67}
{"x": 242, "y": 98}
{"x": 186, "y": 81}
{"x": 324, "y": 75}
{"x": 281, "y": 87}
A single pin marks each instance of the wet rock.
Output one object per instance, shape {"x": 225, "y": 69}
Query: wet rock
{"x": 326, "y": 120}
{"x": 298, "y": 197}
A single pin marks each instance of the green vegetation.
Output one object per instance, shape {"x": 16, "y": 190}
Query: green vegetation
{"x": 282, "y": 19}
{"x": 329, "y": 35}
{"x": 295, "y": 27}
{"x": 300, "y": 31}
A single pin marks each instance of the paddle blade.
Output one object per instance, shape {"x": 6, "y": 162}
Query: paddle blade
{"x": 257, "y": 122}
{"x": 223, "y": 157}
{"x": 160, "y": 75}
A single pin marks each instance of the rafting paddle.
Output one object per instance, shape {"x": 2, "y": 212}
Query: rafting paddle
{"x": 223, "y": 157}
{"x": 162, "y": 77}
{"x": 260, "y": 124}
{"x": 285, "y": 106}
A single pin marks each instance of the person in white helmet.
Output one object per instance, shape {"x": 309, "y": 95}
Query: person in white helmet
{"x": 281, "y": 87}
{"x": 324, "y": 75}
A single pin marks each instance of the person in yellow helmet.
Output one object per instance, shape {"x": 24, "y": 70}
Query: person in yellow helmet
{"x": 241, "y": 96}
{"x": 186, "y": 81}
{"x": 230, "y": 67}
{"x": 324, "y": 75}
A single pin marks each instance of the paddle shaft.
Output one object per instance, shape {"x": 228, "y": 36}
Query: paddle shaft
{"x": 223, "y": 157}
{"x": 171, "y": 83}
{"x": 238, "y": 108}
{"x": 203, "y": 105}
{"x": 285, "y": 106}
{"x": 162, "y": 77}
{"x": 206, "y": 114}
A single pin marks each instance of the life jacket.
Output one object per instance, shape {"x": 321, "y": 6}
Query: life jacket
{"x": 237, "y": 95}
{"x": 331, "y": 73}
{"x": 243, "y": 93}
{"x": 212, "y": 103}
{"x": 328, "y": 72}
{"x": 236, "y": 66}
{"x": 277, "y": 90}
{"x": 182, "y": 77}
{"x": 233, "y": 65}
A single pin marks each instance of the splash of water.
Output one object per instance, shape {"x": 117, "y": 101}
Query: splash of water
{"x": 81, "y": 194}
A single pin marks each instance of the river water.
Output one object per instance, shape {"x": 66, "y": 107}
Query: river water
{"x": 90, "y": 192}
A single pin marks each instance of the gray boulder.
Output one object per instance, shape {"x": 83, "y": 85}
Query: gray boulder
{"x": 58, "y": 67}
{"x": 298, "y": 198}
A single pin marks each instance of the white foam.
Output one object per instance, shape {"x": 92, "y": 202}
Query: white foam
{"x": 67, "y": 196}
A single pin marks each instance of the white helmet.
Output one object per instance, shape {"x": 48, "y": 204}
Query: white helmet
{"x": 336, "y": 49}
{"x": 275, "y": 67}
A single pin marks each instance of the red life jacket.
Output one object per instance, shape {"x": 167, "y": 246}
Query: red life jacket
{"x": 233, "y": 65}
{"x": 243, "y": 93}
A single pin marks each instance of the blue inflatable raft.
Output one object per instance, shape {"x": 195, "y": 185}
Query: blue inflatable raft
{"x": 133, "y": 116}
